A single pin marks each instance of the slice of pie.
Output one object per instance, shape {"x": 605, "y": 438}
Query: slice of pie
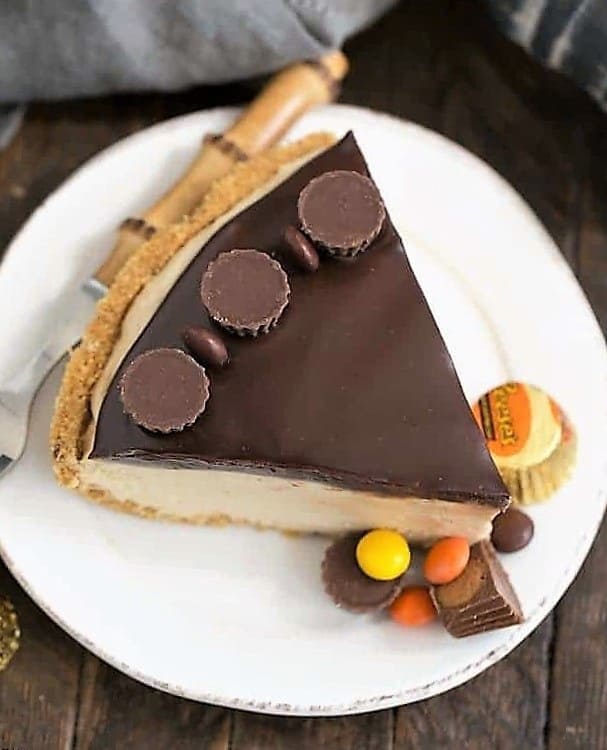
{"x": 345, "y": 413}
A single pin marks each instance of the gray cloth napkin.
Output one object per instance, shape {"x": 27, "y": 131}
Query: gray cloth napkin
{"x": 67, "y": 48}
{"x": 566, "y": 35}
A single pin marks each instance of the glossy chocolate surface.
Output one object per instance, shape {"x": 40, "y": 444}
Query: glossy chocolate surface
{"x": 354, "y": 386}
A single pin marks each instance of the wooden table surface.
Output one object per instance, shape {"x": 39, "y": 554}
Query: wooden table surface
{"x": 440, "y": 64}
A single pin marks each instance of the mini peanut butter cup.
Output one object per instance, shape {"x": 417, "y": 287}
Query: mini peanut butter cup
{"x": 245, "y": 291}
{"x": 342, "y": 212}
{"x": 164, "y": 390}
{"x": 530, "y": 440}
{"x": 348, "y": 586}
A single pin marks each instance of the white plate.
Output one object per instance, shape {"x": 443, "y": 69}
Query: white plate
{"x": 235, "y": 616}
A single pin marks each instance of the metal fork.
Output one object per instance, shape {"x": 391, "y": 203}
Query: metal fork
{"x": 16, "y": 397}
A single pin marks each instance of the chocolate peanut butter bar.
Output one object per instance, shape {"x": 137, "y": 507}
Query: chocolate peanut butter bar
{"x": 480, "y": 599}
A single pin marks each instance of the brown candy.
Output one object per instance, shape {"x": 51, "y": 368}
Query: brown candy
{"x": 301, "y": 250}
{"x": 480, "y": 599}
{"x": 341, "y": 211}
{"x": 512, "y": 530}
{"x": 164, "y": 390}
{"x": 348, "y": 586}
{"x": 206, "y": 345}
{"x": 245, "y": 291}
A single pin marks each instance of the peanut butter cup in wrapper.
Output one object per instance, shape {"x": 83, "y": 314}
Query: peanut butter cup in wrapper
{"x": 530, "y": 439}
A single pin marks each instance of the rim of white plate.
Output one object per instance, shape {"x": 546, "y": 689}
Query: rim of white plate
{"x": 378, "y": 702}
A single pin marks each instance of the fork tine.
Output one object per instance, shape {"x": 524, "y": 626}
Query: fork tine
{"x": 17, "y": 396}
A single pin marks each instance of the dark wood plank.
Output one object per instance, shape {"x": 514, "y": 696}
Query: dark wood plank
{"x": 409, "y": 74}
{"x": 592, "y": 270}
{"x": 497, "y": 710}
{"x": 578, "y": 716}
{"x": 117, "y": 712}
{"x": 528, "y": 124}
{"x": 365, "y": 732}
{"x": 578, "y": 696}
{"x": 39, "y": 690}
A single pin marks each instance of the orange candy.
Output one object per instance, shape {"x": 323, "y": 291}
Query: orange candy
{"x": 413, "y": 607}
{"x": 446, "y": 559}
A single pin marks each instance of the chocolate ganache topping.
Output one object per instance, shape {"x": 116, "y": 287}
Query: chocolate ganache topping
{"x": 354, "y": 387}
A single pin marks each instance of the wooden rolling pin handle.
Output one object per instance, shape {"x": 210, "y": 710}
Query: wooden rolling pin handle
{"x": 133, "y": 232}
{"x": 285, "y": 99}
{"x": 263, "y": 123}
{"x": 230, "y": 149}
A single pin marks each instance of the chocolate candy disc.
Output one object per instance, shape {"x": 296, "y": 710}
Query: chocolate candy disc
{"x": 206, "y": 345}
{"x": 245, "y": 291}
{"x": 512, "y": 530}
{"x": 301, "y": 250}
{"x": 341, "y": 211}
{"x": 348, "y": 586}
{"x": 164, "y": 390}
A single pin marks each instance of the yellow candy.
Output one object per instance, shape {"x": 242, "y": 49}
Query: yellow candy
{"x": 383, "y": 554}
